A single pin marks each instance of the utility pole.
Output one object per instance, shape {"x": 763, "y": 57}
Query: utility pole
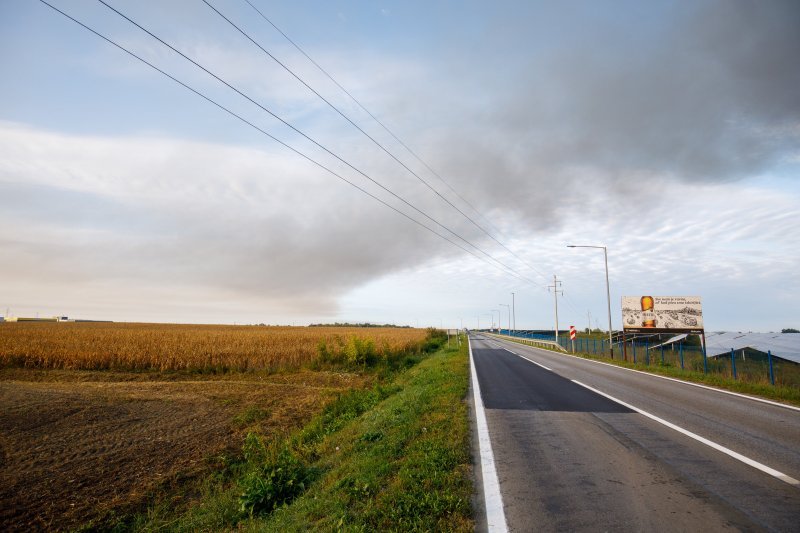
{"x": 514, "y": 310}
{"x": 589, "y": 316}
{"x": 509, "y": 317}
{"x": 556, "y": 290}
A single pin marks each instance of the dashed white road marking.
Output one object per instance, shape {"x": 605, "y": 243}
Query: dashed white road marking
{"x": 659, "y": 376}
{"x": 534, "y": 362}
{"x": 727, "y": 451}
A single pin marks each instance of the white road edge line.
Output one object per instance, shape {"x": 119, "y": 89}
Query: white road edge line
{"x": 723, "y": 391}
{"x": 727, "y": 451}
{"x": 495, "y": 516}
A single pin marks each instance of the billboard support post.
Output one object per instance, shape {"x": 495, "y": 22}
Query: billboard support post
{"x": 705, "y": 357}
{"x": 624, "y": 346}
{"x": 771, "y": 373}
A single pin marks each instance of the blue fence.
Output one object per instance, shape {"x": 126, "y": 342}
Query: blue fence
{"x": 739, "y": 365}
{"x": 593, "y": 346}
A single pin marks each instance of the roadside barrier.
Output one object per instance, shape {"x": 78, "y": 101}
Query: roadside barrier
{"x": 740, "y": 365}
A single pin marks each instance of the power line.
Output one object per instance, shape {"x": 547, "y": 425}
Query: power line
{"x": 392, "y": 134}
{"x": 282, "y": 143}
{"x": 342, "y": 114}
{"x": 309, "y": 138}
{"x": 368, "y": 112}
{"x": 379, "y": 145}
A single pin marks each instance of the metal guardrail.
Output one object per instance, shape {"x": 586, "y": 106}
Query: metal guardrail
{"x": 530, "y": 342}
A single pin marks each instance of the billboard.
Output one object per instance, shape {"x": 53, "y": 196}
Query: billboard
{"x": 662, "y": 314}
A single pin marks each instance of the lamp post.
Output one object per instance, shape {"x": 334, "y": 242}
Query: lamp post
{"x": 498, "y": 317}
{"x": 608, "y": 291}
{"x": 514, "y": 310}
{"x": 509, "y": 317}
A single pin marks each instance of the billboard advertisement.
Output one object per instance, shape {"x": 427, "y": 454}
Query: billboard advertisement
{"x": 662, "y": 314}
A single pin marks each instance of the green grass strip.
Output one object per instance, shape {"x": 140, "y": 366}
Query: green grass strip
{"x": 403, "y": 465}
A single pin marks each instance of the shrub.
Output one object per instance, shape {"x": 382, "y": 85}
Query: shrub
{"x": 361, "y": 352}
{"x": 273, "y": 483}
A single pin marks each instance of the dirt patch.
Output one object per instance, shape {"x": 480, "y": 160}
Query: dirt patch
{"x": 74, "y": 449}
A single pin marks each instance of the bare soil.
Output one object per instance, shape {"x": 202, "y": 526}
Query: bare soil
{"x": 81, "y": 446}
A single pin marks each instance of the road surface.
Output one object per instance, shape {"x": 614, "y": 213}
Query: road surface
{"x": 568, "y": 458}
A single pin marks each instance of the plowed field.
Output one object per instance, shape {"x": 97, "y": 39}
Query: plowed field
{"x": 77, "y": 446}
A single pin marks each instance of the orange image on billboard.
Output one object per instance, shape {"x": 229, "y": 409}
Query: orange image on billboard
{"x": 648, "y": 315}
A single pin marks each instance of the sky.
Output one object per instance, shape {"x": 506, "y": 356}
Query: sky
{"x": 668, "y": 132}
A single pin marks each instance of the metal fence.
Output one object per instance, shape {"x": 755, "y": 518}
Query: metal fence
{"x": 744, "y": 365}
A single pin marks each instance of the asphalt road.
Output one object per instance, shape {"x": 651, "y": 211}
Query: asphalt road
{"x": 568, "y": 458}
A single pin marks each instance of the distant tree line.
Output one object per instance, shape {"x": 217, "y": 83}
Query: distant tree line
{"x": 355, "y": 325}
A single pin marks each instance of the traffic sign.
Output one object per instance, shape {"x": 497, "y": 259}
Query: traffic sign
{"x": 572, "y": 333}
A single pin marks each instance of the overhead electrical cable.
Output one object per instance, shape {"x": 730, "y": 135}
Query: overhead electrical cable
{"x": 309, "y": 138}
{"x": 370, "y": 137}
{"x": 368, "y": 112}
{"x": 282, "y": 143}
{"x": 523, "y": 261}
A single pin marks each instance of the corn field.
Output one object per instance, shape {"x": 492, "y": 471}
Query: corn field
{"x": 127, "y": 346}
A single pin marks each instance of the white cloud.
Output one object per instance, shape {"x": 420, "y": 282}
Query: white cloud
{"x": 153, "y": 213}
{"x": 198, "y": 224}
{"x": 559, "y": 140}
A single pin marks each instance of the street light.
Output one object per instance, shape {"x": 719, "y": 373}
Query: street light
{"x": 498, "y": 317}
{"x": 608, "y": 292}
{"x": 514, "y": 307}
{"x": 509, "y": 317}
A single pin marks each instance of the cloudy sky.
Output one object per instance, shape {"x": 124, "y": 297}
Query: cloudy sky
{"x": 667, "y": 131}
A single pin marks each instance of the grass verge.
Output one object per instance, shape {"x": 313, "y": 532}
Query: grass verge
{"x": 779, "y": 393}
{"x": 391, "y": 458}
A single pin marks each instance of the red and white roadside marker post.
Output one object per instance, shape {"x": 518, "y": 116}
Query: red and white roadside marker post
{"x": 572, "y": 335}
